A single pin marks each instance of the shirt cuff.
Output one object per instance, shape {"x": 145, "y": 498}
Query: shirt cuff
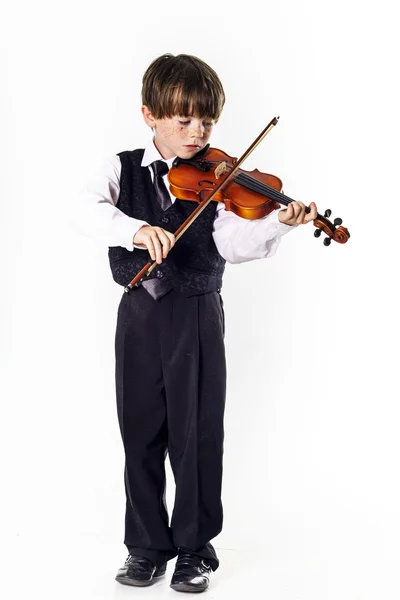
{"x": 263, "y": 231}
{"x": 128, "y": 228}
{"x": 281, "y": 228}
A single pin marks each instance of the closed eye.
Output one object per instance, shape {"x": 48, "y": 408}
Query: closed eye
{"x": 205, "y": 123}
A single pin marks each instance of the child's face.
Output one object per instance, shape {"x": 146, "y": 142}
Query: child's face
{"x": 179, "y": 136}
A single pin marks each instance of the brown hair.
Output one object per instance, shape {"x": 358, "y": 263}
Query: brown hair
{"x": 182, "y": 85}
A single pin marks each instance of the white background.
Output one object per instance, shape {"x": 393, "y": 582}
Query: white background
{"x": 311, "y": 476}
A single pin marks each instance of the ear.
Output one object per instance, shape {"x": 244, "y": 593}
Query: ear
{"x": 148, "y": 117}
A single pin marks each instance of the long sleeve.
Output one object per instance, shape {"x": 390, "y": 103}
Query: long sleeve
{"x": 240, "y": 240}
{"x": 95, "y": 213}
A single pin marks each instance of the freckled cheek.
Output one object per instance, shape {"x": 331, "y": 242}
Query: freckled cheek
{"x": 173, "y": 132}
{"x": 180, "y": 133}
{"x": 166, "y": 133}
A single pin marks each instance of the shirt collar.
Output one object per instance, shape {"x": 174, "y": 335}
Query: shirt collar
{"x": 151, "y": 154}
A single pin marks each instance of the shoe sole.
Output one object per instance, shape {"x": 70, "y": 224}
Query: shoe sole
{"x": 183, "y": 587}
{"x": 137, "y": 582}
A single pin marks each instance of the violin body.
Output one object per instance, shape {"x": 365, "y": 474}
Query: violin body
{"x": 191, "y": 182}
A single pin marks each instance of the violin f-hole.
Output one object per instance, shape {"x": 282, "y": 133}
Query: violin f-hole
{"x": 202, "y": 181}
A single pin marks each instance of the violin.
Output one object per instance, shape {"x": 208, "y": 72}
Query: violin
{"x": 212, "y": 175}
{"x": 250, "y": 194}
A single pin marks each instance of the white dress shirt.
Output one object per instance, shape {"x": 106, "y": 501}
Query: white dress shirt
{"x": 237, "y": 240}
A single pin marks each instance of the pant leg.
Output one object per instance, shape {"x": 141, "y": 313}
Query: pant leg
{"x": 193, "y": 359}
{"x": 142, "y": 419}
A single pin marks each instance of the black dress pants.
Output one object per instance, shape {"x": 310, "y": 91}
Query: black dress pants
{"x": 170, "y": 388}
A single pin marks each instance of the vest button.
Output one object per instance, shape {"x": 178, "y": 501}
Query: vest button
{"x": 165, "y": 220}
{"x": 159, "y": 274}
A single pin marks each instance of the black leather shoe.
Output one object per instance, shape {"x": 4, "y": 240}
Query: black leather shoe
{"x": 139, "y": 571}
{"x": 191, "y": 573}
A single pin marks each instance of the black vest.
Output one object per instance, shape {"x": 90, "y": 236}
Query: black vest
{"x": 194, "y": 265}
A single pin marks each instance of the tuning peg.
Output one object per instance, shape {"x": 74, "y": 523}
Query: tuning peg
{"x": 327, "y": 241}
{"x": 337, "y": 222}
{"x": 328, "y": 212}
{"x": 317, "y": 232}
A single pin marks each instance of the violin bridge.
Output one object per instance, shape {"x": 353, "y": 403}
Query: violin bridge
{"x": 220, "y": 170}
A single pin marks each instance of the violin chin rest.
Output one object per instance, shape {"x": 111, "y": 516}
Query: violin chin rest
{"x": 176, "y": 162}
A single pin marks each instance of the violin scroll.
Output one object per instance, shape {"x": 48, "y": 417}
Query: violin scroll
{"x": 334, "y": 230}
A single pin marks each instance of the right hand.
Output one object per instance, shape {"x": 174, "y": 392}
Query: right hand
{"x": 153, "y": 238}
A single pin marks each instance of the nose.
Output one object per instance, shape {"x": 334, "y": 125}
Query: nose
{"x": 197, "y": 131}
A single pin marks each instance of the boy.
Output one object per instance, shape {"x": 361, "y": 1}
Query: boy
{"x": 169, "y": 345}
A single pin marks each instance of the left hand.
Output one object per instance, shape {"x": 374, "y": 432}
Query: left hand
{"x": 295, "y": 214}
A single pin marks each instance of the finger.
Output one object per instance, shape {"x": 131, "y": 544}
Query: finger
{"x": 150, "y": 247}
{"x": 314, "y": 211}
{"x": 171, "y": 237}
{"x": 301, "y": 213}
{"x": 157, "y": 246}
{"x": 295, "y": 208}
{"x": 298, "y": 212}
{"x": 312, "y": 215}
{"x": 286, "y": 213}
{"x": 165, "y": 241}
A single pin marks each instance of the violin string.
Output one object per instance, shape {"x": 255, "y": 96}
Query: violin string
{"x": 262, "y": 188}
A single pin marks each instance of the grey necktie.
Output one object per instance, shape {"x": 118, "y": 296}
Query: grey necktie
{"x": 158, "y": 287}
{"x": 160, "y": 168}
